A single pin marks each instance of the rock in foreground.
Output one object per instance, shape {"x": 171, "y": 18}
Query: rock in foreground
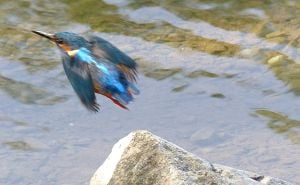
{"x": 142, "y": 158}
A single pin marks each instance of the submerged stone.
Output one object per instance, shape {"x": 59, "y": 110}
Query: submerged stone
{"x": 18, "y": 145}
{"x": 161, "y": 74}
{"x": 179, "y": 88}
{"x": 278, "y": 59}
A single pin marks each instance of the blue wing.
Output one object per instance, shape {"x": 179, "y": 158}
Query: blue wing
{"x": 108, "y": 80}
{"x": 80, "y": 78}
{"x": 104, "y": 49}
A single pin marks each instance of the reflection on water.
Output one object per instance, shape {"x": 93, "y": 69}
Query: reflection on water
{"x": 179, "y": 88}
{"x": 199, "y": 73}
{"x": 217, "y": 95}
{"x": 168, "y": 22}
{"x": 160, "y": 32}
{"x": 27, "y": 93}
{"x": 281, "y": 124}
{"x": 18, "y": 145}
{"x": 205, "y": 66}
{"x": 16, "y": 122}
{"x": 160, "y": 74}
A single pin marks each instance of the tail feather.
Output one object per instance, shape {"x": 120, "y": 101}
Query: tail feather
{"x": 133, "y": 89}
{"x": 118, "y": 103}
{"x": 115, "y": 101}
{"x": 123, "y": 98}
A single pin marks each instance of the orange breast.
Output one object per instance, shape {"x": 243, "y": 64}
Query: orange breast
{"x": 65, "y": 47}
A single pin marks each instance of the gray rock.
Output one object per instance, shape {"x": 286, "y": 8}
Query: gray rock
{"x": 142, "y": 158}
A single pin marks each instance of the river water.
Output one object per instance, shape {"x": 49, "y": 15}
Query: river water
{"x": 218, "y": 78}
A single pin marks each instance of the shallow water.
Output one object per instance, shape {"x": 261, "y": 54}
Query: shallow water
{"x": 220, "y": 79}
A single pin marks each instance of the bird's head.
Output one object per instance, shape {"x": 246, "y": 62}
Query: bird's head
{"x": 66, "y": 41}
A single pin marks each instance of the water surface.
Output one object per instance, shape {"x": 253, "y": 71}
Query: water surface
{"x": 218, "y": 78}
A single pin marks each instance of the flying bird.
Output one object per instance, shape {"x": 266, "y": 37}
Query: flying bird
{"x": 96, "y": 66}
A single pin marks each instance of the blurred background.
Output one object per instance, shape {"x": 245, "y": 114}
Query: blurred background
{"x": 218, "y": 78}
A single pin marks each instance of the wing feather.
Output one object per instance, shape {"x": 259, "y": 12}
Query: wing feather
{"x": 104, "y": 49}
{"x": 80, "y": 78}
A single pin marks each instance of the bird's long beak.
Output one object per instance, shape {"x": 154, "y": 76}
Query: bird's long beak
{"x": 44, "y": 34}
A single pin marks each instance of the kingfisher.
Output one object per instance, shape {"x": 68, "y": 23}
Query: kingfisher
{"x": 95, "y": 65}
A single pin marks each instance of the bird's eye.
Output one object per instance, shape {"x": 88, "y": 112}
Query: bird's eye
{"x": 59, "y": 41}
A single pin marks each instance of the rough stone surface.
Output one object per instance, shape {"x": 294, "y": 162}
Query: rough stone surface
{"x": 142, "y": 158}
